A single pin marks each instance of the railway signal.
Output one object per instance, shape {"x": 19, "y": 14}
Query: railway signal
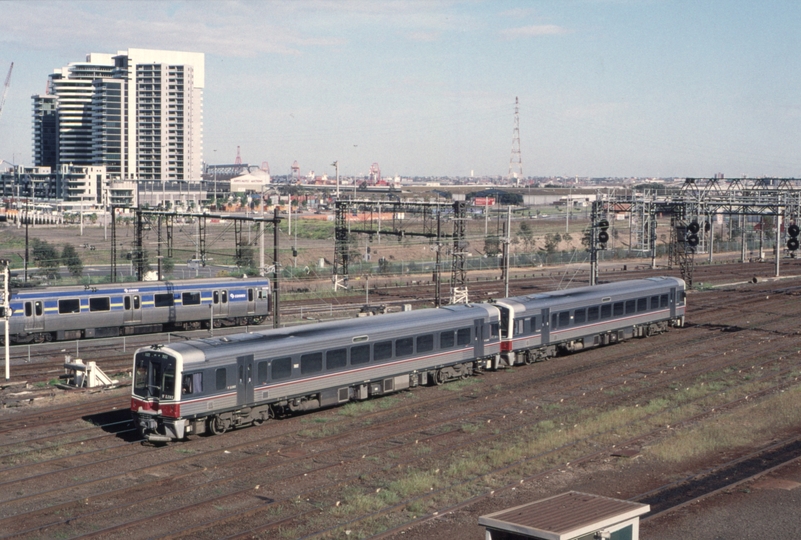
{"x": 792, "y": 242}
{"x": 692, "y": 234}
{"x": 603, "y": 234}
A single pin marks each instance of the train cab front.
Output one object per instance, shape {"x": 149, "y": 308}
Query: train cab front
{"x": 154, "y": 401}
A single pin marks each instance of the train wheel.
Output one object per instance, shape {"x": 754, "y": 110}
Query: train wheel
{"x": 217, "y": 425}
{"x": 441, "y": 377}
{"x": 39, "y": 338}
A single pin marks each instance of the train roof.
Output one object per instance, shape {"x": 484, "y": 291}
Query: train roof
{"x": 134, "y": 286}
{"x": 327, "y": 332}
{"x": 578, "y": 294}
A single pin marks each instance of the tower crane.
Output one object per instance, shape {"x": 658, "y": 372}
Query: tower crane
{"x": 5, "y": 88}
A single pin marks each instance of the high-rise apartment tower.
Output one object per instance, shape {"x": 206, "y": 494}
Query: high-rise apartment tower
{"x": 139, "y": 113}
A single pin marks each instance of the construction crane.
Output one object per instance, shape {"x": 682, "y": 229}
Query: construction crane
{"x": 5, "y": 88}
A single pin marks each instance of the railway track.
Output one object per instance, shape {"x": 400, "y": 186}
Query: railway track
{"x": 200, "y": 481}
{"x": 317, "y": 456}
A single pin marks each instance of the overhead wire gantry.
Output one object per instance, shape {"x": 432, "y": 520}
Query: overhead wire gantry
{"x": 693, "y": 211}
{"x": 404, "y": 218}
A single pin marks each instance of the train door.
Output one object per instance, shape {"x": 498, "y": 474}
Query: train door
{"x": 672, "y": 301}
{"x": 244, "y": 380}
{"x": 220, "y": 301}
{"x": 34, "y": 316}
{"x": 507, "y": 314}
{"x": 251, "y": 301}
{"x": 478, "y": 337}
{"x": 546, "y": 326}
{"x": 133, "y": 309}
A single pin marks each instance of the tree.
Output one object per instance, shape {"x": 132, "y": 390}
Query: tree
{"x": 551, "y": 243}
{"x": 245, "y": 258}
{"x": 45, "y": 256}
{"x": 167, "y": 265}
{"x": 492, "y": 246}
{"x": 71, "y": 259}
{"x": 526, "y": 234}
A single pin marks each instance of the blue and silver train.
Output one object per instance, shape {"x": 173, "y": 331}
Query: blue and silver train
{"x": 118, "y": 309}
{"x": 215, "y": 384}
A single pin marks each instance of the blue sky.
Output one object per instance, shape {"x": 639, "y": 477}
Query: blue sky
{"x": 606, "y": 87}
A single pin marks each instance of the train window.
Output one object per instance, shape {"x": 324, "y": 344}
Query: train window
{"x": 2, "y": 311}
{"x": 642, "y": 305}
{"x": 192, "y": 384}
{"x": 617, "y": 309}
{"x": 127, "y": 302}
{"x": 579, "y": 316}
{"x": 404, "y": 346}
{"x": 592, "y": 313}
{"x": 494, "y": 330}
{"x": 263, "y": 294}
{"x": 311, "y": 363}
{"x": 164, "y": 300}
{"x": 37, "y": 308}
{"x": 28, "y": 309}
{"x": 463, "y": 336}
{"x": 654, "y": 302}
{"x": 680, "y": 297}
{"x": 535, "y": 326}
{"x": 72, "y": 305}
{"x": 360, "y": 354}
{"x": 100, "y": 304}
{"x": 425, "y": 343}
{"x": 519, "y": 326}
{"x": 382, "y": 350}
{"x": 225, "y": 297}
{"x": 606, "y": 311}
{"x": 564, "y": 319}
{"x": 663, "y": 301}
{"x": 250, "y": 295}
{"x": 261, "y": 372}
{"x": 631, "y": 306}
{"x": 554, "y": 319}
{"x": 446, "y": 340}
{"x": 222, "y": 379}
{"x": 190, "y": 298}
{"x": 216, "y": 297}
{"x": 241, "y": 371}
{"x": 281, "y": 368}
{"x": 338, "y": 358}
{"x": 136, "y": 302}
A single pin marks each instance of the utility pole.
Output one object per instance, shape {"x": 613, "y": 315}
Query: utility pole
{"x": 516, "y": 161}
{"x": 276, "y": 271}
{"x": 507, "y": 239}
{"x": 336, "y": 166}
{"x": 6, "y": 316}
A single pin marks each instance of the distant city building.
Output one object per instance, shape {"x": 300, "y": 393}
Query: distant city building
{"x": 138, "y": 113}
{"x": 45, "y": 134}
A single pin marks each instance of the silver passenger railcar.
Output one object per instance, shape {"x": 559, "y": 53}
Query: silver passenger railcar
{"x": 216, "y": 384}
{"x": 538, "y": 326}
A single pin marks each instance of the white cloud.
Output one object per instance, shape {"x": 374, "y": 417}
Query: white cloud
{"x": 534, "y": 31}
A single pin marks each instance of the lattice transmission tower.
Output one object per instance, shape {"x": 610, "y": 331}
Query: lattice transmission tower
{"x": 516, "y": 160}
